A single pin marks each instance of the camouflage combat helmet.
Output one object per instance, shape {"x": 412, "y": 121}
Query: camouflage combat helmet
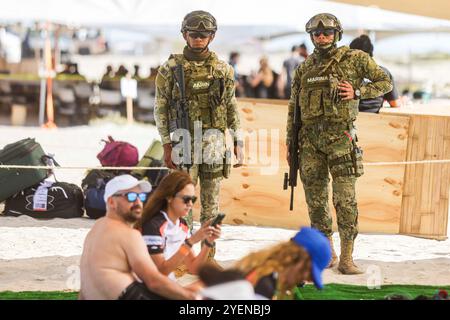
{"x": 200, "y": 21}
{"x": 324, "y": 21}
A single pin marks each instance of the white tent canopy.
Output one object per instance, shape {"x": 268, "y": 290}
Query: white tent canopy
{"x": 434, "y": 8}
{"x": 286, "y": 13}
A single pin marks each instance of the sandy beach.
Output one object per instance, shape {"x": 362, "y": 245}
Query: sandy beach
{"x": 44, "y": 255}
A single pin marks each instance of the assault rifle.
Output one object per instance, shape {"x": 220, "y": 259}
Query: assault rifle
{"x": 182, "y": 120}
{"x": 290, "y": 179}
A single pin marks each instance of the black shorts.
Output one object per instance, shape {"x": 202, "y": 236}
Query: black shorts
{"x": 138, "y": 291}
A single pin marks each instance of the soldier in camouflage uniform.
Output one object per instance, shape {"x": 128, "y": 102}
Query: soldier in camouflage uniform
{"x": 327, "y": 87}
{"x": 210, "y": 96}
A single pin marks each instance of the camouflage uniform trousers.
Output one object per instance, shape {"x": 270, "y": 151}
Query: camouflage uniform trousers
{"x": 323, "y": 152}
{"x": 209, "y": 195}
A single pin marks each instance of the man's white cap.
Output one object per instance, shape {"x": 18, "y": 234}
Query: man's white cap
{"x": 125, "y": 182}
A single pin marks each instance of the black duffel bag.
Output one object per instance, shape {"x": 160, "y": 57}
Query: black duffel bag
{"x": 94, "y": 189}
{"x": 47, "y": 200}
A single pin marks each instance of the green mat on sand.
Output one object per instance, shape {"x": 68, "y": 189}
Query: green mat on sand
{"x": 350, "y": 292}
{"x": 330, "y": 292}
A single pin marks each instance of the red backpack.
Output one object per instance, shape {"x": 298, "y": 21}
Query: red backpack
{"x": 118, "y": 154}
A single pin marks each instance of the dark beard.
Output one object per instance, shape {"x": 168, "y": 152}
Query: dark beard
{"x": 129, "y": 216}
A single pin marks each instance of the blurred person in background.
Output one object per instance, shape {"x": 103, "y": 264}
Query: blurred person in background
{"x": 74, "y": 71}
{"x": 233, "y": 61}
{"x": 136, "y": 74}
{"x": 289, "y": 66}
{"x": 374, "y": 104}
{"x": 107, "y": 78}
{"x": 121, "y": 72}
{"x": 303, "y": 51}
{"x": 263, "y": 80}
{"x": 109, "y": 73}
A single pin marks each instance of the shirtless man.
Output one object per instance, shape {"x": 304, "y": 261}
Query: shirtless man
{"x": 115, "y": 256}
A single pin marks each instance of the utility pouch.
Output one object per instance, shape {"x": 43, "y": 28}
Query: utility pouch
{"x": 215, "y": 93}
{"x": 227, "y": 164}
{"x": 357, "y": 154}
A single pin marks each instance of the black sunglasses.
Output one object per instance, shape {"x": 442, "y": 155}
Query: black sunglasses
{"x": 132, "y": 196}
{"x": 186, "y": 199}
{"x": 326, "y": 32}
{"x": 201, "y": 35}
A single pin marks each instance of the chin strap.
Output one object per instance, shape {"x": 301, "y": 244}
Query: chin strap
{"x": 196, "y": 55}
{"x": 324, "y": 50}
{"x": 197, "y": 50}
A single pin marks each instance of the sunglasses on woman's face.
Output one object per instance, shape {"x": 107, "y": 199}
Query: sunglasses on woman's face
{"x": 186, "y": 199}
{"x": 326, "y": 32}
{"x": 132, "y": 196}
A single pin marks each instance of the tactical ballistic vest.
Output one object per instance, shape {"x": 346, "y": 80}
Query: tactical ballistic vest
{"x": 204, "y": 86}
{"x": 319, "y": 95}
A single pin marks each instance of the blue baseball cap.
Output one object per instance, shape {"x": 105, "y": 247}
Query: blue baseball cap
{"x": 319, "y": 250}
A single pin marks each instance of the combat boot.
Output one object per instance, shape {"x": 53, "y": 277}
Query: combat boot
{"x": 346, "y": 264}
{"x": 334, "y": 258}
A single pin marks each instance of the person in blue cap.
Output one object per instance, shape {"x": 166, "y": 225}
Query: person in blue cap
{"x": 276, "y": 271}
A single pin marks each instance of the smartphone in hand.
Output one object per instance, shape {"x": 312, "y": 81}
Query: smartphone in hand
{"x": 218, "y": 219}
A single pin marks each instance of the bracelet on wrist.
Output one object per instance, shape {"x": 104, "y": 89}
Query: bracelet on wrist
{"x": 189, "y": 244}
{"x": 210, "y": 245}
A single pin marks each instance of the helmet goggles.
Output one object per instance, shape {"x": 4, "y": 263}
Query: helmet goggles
{"x": 323, "y": 21}
{"x": 200, "y": 23}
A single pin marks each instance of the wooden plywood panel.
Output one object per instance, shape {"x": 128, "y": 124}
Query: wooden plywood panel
{"x": 252, "y": 197}
{"x": 432, "y": 108}
{"x": 425, "y": 202}
{"x": 383, "y": 139}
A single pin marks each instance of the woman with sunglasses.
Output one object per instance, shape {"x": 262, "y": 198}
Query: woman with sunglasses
{"x": 165, "y": 231}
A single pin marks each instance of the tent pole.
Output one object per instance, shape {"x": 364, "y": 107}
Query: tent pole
{"x": 49, "y": 66}
{"x": 43, "y": 88}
